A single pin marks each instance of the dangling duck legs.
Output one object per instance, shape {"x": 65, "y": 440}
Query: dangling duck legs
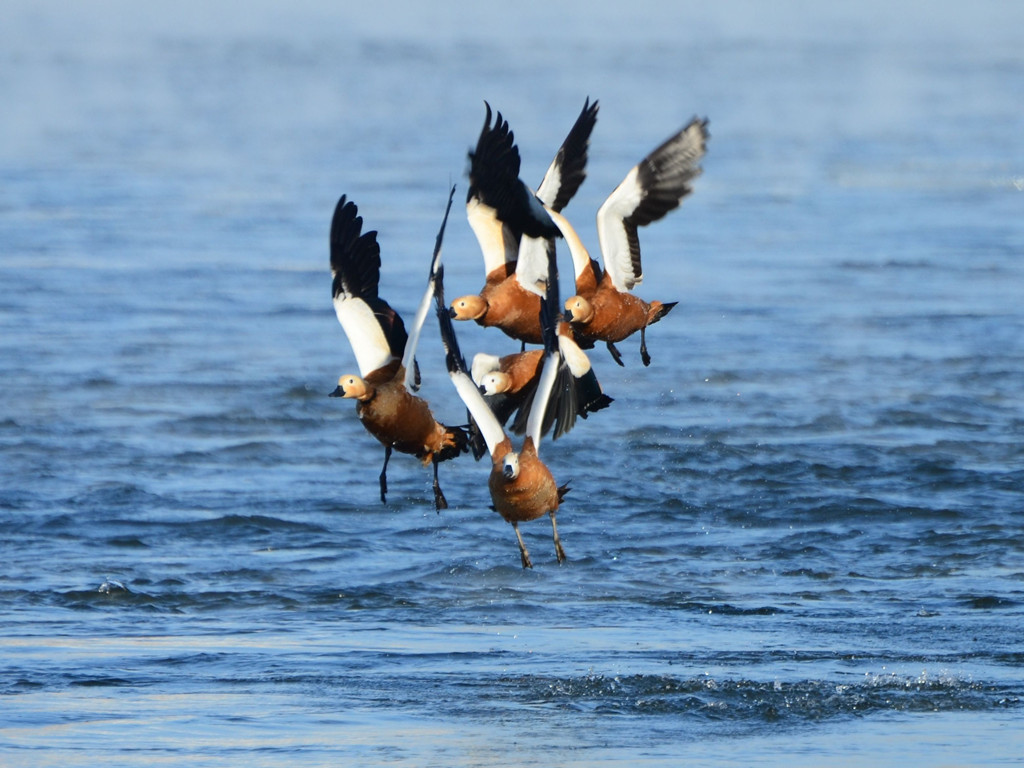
{"x": 384, "y": 475}
{"x": 440, "y": 502}
{"x": 525, "y": 556}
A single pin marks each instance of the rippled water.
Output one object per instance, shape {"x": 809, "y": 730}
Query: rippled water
{"x": 796, "y": 539}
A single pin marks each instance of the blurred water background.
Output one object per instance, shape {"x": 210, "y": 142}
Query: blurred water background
{"x": 795, "y": 540}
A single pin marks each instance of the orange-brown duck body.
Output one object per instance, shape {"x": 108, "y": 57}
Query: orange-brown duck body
{"x": 611, "y": 315}
{"x": 523, "y": 489}
{"x": 505, "y": 304}
{"x": 399, "y": 419}
{"x": 614, "y": 315}
{"x": 604, "y": 307}
{"x": 520, "y": 484}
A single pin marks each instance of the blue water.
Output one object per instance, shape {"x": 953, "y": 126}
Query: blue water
{"x": 796, "y": 539}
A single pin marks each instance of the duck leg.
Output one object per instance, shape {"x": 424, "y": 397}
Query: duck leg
{"x": 440, "y": 502}
{"x": 527, "y": 563}
{"x": 643, "y": 347}
{"x": 384, "y": 475}
{"x": 559, "y": 552}
{"x": 616, "y": 355}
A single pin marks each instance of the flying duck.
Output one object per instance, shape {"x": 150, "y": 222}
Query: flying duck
{"x": 522, "y": 487}
{"x": 508, "y": 384}
{"x": 604, "y": 309}
{"x": 384, "y": 351}
{"x": 515, "y": 243}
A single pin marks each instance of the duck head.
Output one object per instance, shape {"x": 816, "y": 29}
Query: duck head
{"x": 578, "y": 310}
{"x": 468, "y": 308}
{"x": 351, "y": 386}
{"x": 510, "y": 466}
{"x": 495, "y": 383}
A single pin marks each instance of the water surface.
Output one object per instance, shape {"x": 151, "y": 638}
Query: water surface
{"x": 795, "y": 539}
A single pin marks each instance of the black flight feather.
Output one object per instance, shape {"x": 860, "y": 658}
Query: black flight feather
{"x": 355, "y": 263}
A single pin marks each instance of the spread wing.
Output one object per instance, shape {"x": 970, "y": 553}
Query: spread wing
{"x": 498, "y": 242}
{"x": 535, "y": 256}
{"x": 539, "y": 419}
{"x": 652, "y": 188}
{"x": 488, "y": 424}
{"x": 409, "y": 359}
{"x": 569, "y": 168}
{"x": 494, "y": 181}
{"x": 375, "y": 331}
{"x": 500, "y": 208}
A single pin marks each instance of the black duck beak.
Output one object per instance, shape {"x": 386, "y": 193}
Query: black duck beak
{"x": 338, "y": 392}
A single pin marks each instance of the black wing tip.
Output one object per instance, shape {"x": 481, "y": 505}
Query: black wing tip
{"x": 494, "y": 163}
{"x": 667, "y": 174}
{"x": 435, "y": 265}
{"x": 589, "y": 395}
{"x": 676, "y": 152}
{"x": 572, "y": 155}
{"x": 486, "y": 129}
{"x": 500, "y": 129}
{"x": 461, "y": 441}
{"x": 355, "y": 255}
{"x": 563, "y": 405}
{"x": 346, "y": 221}
{"x": 703, "y": 123}
{"x": 588, "y": 115}
{"x": 453, "y": 359}
{"x": 550, "y": 304}
{"x": 344, "y": 204}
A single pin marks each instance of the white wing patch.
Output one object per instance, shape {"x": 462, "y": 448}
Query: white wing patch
{"x": 579, "y": 253}
{"x": 574, "y": 357}
{"x": 613, "y": 235}
{"x": 364, "y": 333}
{"x": 484, "y": 417}
{"x": 496, "y": 241}
{"x": 550, "y": 184}
{"x": 532, "y": 265}
{"x": 409, "y": 358}
{"x": 535, "y": 422}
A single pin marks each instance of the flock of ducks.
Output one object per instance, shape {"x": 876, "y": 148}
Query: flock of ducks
{"x": 543, "y": 389}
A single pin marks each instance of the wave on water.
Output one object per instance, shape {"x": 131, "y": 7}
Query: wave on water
{"x": 746, "y": 700}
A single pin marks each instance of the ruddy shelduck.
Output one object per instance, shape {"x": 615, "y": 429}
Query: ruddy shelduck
{"x": 604, "y": 309}
{"x": 515, "y": 244}
{"x": 522, "y": 487}
{"x": 509, "y": 383}
{"x": 384, "y": 352}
